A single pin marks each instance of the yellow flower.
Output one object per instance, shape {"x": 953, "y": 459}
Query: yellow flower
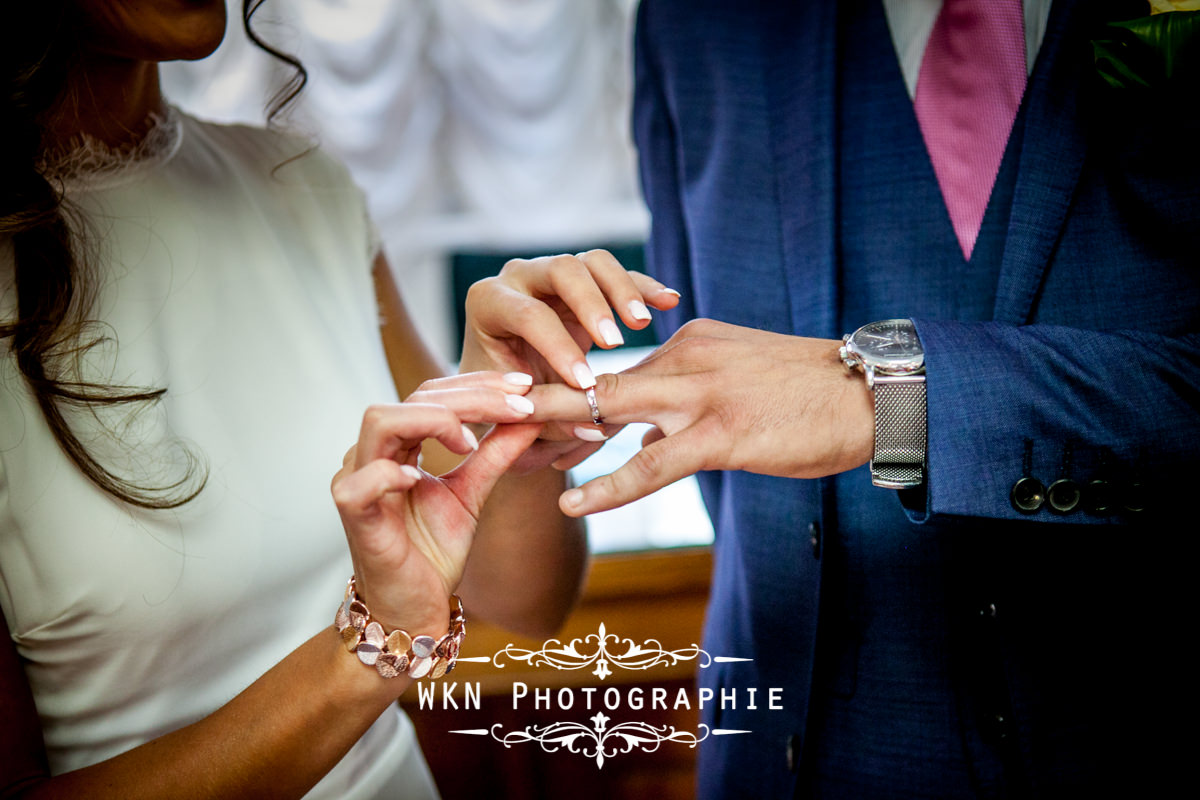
{"x": 1163, "y": 6}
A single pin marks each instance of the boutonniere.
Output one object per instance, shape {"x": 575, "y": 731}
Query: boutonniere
{"x": 1154, "y": 51}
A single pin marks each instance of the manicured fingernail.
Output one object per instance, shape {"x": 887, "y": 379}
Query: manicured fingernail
{"x": 519, "y": 379}
{"x": 638, "y": 310}
{"x": 589, "y": 434}
{"x": 609, "y": 333}
{"x": 411, "y": 471}
{"x": 572, "y": 498}
{"x": 519, "y": 404}
{"x": 672, "y": 291}
{"x": 470, "y": 437}
{"x": 583, "y": 375}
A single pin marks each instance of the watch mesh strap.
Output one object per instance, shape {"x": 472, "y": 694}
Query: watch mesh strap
{"x": 900, "y": 434}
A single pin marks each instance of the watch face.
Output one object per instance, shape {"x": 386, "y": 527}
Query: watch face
{"x": 890, "y": 346}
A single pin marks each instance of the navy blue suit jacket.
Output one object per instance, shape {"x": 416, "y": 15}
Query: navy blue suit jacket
{"x": 1092, "y": 351}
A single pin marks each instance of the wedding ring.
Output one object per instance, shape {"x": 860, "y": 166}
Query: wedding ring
{"x": 591, "y": 398}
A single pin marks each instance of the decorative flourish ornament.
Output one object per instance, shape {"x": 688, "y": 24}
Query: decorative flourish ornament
{"x": 577, "y": 654}
{"x": 600, "y": 742}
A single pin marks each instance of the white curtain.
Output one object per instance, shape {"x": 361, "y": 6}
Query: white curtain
{"x": 470, "y": 124}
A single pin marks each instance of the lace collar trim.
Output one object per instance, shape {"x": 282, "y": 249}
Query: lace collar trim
{"x": 92, "y": 164}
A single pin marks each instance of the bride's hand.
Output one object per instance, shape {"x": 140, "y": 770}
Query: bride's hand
{"x": 409, "y": 532}
{"x": 540, "y": 316}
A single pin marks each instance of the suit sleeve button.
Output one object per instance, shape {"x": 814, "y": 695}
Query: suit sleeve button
{"x": 1098, "y": 496}
{"x": 1027, "y": 495}
{"x": 1063, "y": 496}
{"x": 1134, "y": 497}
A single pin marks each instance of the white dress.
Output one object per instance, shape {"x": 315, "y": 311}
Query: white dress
{"x": 242, "y": 284}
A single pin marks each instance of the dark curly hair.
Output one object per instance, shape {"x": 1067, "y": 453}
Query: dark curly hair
{"x": 55, "y": 285}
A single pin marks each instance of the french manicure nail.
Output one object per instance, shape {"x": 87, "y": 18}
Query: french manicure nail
{"x": 470, "y": 437}
{"x": 638, "y": 310}
{"x": 583, "y": 375}
{"x": 589, "y": 434}
{"x": 411, "y": 471}
{"x": 522, "y": 405}
{"x": 672, "y": 291}
{"x": 609, "y": 333}
{"x": 518, "y": 379}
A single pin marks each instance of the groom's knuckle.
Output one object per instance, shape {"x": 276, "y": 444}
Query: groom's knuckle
{"x": 608, "y": 385}
{"x": 699, "y": 327}
{"x": 646, "y": 465}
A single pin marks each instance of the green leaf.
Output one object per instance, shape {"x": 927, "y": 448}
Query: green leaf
{"x": 1150, "y": 51}
{"x": 1115, "y": 62}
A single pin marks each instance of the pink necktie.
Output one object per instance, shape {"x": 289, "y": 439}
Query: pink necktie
{"x": 968, "y": 91}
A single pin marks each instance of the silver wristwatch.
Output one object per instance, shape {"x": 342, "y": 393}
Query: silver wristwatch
{"x": 893, "y": 361}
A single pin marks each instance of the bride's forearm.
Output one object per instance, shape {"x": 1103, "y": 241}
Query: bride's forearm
{"x": 527, "y": 565}
{"x": 274, "y": 740}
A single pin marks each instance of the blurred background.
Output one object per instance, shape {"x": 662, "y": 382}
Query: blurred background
{"x": 482, "y": 130}
{"x": 476, "y": 127}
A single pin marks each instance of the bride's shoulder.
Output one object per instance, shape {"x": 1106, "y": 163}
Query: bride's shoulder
{"x": 284, "y": 154}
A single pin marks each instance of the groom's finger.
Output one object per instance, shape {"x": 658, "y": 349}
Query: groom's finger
{"x": 657, "y": 465}
{"x": 621, "y": 398}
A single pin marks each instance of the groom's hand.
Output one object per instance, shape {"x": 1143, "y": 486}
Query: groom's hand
{"x": 724, "y": 397}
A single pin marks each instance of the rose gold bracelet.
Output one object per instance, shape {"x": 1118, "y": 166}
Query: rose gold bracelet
{"x": 398, "y": 652}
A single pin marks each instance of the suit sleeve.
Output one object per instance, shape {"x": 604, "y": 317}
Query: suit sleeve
{"x": 1115, "y": 413}
{"x": 667, "y": 255}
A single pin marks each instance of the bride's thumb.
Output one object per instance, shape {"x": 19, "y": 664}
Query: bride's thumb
{"x": 472, "y": 480}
